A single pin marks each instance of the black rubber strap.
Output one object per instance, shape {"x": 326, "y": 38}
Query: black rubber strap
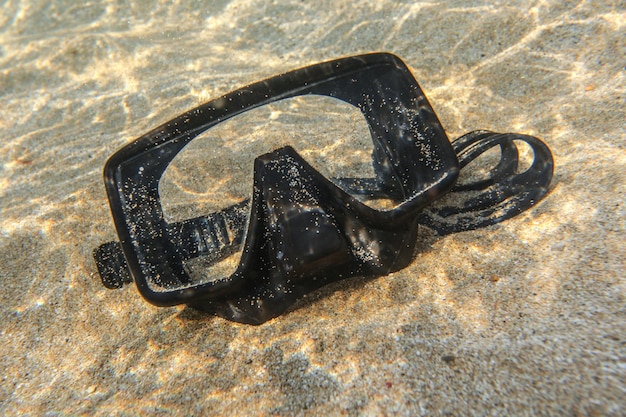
{"x": 217, "y": 235}
{"x": 502, "y": 195}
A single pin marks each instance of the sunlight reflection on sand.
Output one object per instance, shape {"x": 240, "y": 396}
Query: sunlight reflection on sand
{"x": 531, "y": 309}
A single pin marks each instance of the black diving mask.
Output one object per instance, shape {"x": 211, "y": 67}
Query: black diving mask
{"x": 301, "y": 230}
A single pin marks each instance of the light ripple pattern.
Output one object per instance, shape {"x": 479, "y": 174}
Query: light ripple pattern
{"x": 523, "y": 318}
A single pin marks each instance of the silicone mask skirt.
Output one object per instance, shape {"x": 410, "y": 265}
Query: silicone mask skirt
{"x": 301, "y": 230}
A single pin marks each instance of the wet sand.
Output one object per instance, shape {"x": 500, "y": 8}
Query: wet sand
{"x": 523, "y": 318}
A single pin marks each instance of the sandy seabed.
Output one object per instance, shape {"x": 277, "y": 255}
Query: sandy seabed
{"x": 524, "y": 318}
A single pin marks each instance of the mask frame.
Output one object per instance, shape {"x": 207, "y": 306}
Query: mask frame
{"x": 413, "y": 159}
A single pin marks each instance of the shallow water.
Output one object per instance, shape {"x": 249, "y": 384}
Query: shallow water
{"x": 531, "y": 310}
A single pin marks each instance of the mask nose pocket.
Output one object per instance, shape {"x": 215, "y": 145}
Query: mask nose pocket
{"x": 303, "y": 237}
{"x": 309, "y": 240}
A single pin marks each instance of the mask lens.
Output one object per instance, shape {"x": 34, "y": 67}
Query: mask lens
{"x": 213, "y": 172}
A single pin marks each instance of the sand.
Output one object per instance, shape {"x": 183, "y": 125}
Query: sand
{"x": 524, "y": 318}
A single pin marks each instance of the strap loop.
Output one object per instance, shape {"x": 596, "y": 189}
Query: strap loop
{"x": 504, "y": 194}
